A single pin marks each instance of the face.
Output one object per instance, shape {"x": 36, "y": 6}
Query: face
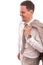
{"x": 25, "y": 14}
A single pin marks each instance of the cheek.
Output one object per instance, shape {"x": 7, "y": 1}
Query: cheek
{"x": 28, "y": 15}
{"x": 25, "y": 15}
{"x": 22, "y": 15}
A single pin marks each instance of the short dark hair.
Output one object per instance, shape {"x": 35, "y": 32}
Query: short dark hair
{"x": 29, "y": 5}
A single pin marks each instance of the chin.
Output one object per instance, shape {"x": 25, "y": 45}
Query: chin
{"x": 23, "y": 20}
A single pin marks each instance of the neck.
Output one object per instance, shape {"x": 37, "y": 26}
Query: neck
{"x": 28, "y": 20}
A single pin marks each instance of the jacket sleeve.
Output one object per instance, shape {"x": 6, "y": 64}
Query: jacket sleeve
{"x": 35, "y": 41}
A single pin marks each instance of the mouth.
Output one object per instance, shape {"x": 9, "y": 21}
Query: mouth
{"x": 23, "y": 17}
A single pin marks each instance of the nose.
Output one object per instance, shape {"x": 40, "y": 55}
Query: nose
{"x": 20, "y": 14}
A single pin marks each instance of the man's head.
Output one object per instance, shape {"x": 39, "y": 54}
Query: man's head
{"x": 26, "y": 10}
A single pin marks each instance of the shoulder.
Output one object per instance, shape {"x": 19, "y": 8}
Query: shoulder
{"x": 35, "y": 21}
{"x": 21, "y": 25}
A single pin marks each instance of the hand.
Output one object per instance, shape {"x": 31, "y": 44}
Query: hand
{"x": 27, "y": 30}
{"x": 18, "y": 56}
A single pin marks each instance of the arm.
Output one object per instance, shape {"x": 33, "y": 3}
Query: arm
{"x": 18, "y": 55}
{"x": 20, "y": 40}
{"x": 20, "y": 37}
{"x": 35, "y": 41}
{"x": 19, "y": 48}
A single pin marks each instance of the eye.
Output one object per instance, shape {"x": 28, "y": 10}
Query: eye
{"x": 22, "y": 12}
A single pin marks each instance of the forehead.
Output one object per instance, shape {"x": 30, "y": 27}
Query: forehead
{"x": 23, "y": 8}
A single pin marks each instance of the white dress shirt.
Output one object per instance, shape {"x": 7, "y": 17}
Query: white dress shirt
{"x": 33, "y": 45}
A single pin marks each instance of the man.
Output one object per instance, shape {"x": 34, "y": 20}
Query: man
{"x": 33, "y": 46}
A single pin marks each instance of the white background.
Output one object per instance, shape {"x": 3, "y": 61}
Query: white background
{"x": 9, "y": 22}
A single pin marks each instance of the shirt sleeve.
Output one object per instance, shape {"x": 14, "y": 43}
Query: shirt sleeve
{"x": 19, "y": 39}
{"x": 35, "y": 41}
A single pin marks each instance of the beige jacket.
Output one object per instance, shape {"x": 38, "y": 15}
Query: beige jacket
{"x": 33, "y": 46}
{"x": 39, "y": 26}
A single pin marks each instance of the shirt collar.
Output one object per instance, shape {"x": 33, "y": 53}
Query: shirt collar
{"x": 30, "y": 22}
